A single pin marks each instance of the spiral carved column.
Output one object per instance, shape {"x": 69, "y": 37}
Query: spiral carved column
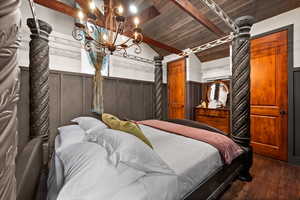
{"x": 39, "y": 74}
{"x": 158, "y": 86}
{"x": 241, "y": 82}
{"x": 10, "y": 23}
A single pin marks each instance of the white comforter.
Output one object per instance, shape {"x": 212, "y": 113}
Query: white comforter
{"x": 115, "y": 166}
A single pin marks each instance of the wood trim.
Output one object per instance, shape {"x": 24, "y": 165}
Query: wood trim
{"x": 89, "y": 75}
{"x": 191, "y": 10}
{"x": 296, "y": 69}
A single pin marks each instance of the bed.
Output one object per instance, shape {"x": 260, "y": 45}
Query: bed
{"x": 198, "y": 167}
{"x": 206, "y": 183}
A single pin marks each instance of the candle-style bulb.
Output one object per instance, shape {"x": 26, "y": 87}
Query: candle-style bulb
{"x": 120, "y": 10}
{"x": 135, "y": 35}
{"x": 92, "y": 5}
{"x": 133, "y": 9}
{"x": 80, "y": 15}
{"x": 136, "y": 21}
{"x": 105, "y": 37}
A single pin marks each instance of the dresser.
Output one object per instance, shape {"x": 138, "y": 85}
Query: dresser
{"x": 217, "y": 118}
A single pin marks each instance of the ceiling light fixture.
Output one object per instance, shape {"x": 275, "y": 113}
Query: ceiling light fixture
{"x": 106, "y": 38}
{"x": 133, "y": 9}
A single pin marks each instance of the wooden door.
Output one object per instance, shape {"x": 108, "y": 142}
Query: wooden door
{"x": 176, "y": 89}
{"x": 269, "y": 95}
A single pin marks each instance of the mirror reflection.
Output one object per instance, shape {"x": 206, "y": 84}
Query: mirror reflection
{"x": 217, "y": 95}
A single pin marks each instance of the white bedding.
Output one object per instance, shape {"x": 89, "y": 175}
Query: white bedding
{"x": 192, "y": 160}
{"x": 184, "y": 164}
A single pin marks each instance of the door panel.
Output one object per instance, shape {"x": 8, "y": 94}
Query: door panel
{"x": 176, "y": 89}
{"x": 269, "y": 95}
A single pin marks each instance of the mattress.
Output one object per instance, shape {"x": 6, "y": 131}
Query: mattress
{"x": 193, "y": 161}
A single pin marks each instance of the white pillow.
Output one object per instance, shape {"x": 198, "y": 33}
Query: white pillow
{"x": 93, "y": 133}
{"x": 69, "y": 135}
{"x": 87, "y": 123}
{"x": 131, "y": 151}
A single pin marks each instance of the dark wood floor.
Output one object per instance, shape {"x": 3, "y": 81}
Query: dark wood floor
{"x": 272, "y": 180}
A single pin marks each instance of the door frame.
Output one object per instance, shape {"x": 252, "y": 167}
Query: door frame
{"x": 291, "y": 119}
{"x": 185, "y": 86}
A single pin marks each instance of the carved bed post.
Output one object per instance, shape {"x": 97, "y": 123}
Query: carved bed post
{"x": 241, "y": 90}
{"x": 10, "y": 23}
{"x": 39, "y": 74}
{"x": 158, "y": 86}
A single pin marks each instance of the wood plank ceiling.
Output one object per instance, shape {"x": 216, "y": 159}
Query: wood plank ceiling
{"x": 179, "y": 26}
{"x": 178, "y": 29}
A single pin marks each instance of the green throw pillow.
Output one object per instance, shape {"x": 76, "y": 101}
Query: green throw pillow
{"x": 126, "y": 126}
{"x": 111, "y": 121}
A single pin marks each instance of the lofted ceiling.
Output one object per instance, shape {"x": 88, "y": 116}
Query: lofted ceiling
{"x": 168, "y": 28}
{"x": 176, "y": 28}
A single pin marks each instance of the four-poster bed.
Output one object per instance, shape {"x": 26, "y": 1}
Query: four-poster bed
{"x": 215, "y": 183}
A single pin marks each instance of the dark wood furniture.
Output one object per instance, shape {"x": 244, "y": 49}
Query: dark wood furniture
{"x": 218, "y": 118}
{"x": 214, "y": 185}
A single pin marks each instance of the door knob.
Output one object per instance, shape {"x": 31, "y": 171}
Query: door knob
{"x": 283, "y": 112}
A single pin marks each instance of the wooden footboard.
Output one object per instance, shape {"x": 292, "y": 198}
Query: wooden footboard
{"x": 216, "y": 184}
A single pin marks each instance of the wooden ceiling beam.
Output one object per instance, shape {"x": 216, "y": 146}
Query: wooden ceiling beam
{"x": 190, "y": 9}
{"x": 73, "y": 12}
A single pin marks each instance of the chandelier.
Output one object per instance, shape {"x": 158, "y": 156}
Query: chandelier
{"x": 105, "y": 38}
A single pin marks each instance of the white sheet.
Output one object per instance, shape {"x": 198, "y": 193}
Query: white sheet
{"x": 89, "y": 174}
{"x": 192, "y": 160}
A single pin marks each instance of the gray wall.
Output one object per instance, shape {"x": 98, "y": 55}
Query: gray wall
{"x": 71, "y": 96}
{"x": 294, "y": 140}
{"x": 193, "y": 97}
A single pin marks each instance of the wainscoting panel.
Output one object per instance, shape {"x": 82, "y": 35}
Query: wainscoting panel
{"x": 194, "y": 96}
{"x": 71, "y": 96}
{"x": 129, "y": 99}
{"x": 297, "y": 114}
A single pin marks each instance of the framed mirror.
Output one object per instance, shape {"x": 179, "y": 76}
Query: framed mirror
{"x": 217, "y": 94}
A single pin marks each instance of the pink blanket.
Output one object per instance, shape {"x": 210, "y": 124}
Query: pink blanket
{"x": 228, "y": 149}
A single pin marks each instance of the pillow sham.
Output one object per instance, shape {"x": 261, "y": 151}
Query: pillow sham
{"x": 69, "y": 135}
{"x": 126, "y": 126}
{"x": 87, "y": 123}
{"x": 127, "y": 149}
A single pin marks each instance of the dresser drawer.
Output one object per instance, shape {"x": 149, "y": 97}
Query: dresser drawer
{"x": 219, "y": 119}
{"x": 212, "y": 112}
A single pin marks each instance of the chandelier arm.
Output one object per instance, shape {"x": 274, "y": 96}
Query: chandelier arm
{"x": 117, "y": 33}
{"x": 124, "y": 42}
{"x": 94, "y": 26}
{"x": 93, "y": 39}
